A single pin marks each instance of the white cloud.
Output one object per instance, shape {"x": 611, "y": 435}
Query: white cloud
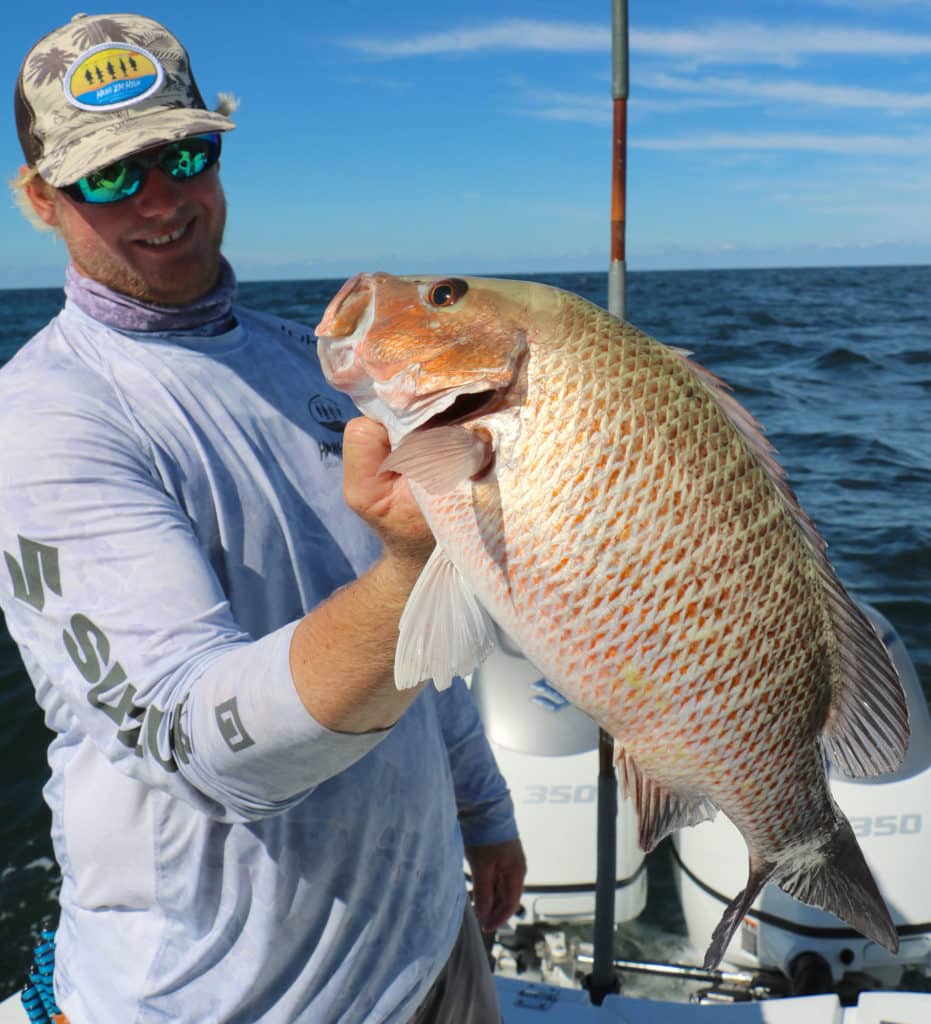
{"x": 810, "y": 93}
{"x": 508, "y": 34}
{"x": 586, "y": 108}
{"x": 755, "y": 43}
{"x": 723, "y": 42}
{"x": 578, "y": 115}
{"x": 556, "y": 105}
{"x": 382, "y": 83}
{"x": 878, "y": 6}
{"x": 861, "y": 145}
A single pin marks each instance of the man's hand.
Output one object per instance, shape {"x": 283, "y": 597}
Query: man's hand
{"x": 342, "y": 651}
{"x": 383, "y": 500}
{"x": 498, "y": 871}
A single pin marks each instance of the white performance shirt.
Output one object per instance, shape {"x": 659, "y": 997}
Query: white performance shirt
{"x": 170, "y": 506}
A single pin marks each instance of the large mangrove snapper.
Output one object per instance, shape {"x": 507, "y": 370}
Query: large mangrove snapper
{"x": 616, "y": 511}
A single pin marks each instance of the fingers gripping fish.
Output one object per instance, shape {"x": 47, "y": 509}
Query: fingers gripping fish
{"x": 609, "y": 504}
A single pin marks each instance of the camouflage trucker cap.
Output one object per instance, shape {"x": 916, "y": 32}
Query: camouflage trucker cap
{"x": 102, "y": 87}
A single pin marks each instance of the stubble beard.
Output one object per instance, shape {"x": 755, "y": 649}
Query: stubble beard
{"x": 164, "y": 288}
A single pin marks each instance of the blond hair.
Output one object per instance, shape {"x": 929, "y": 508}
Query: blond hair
{"x": 19, "y": 186}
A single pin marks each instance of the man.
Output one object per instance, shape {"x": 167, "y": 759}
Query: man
{"x": 252, "y": 823}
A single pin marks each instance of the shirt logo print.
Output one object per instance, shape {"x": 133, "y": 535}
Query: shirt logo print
{"x": 231, "y": 727}
{"x": 327, "y": 413}
{"x": 329, "y": 422}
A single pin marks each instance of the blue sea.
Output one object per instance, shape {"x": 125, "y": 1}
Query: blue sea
{"x": 836, "y": 364}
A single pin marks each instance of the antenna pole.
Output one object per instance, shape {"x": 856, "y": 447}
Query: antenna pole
{"x": 617, "y": 272}
{"x": 603, "y": 981}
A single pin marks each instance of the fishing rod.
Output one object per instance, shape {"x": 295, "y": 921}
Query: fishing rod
{"x": 603, "y": 981}
{"x": 617, "y": 271}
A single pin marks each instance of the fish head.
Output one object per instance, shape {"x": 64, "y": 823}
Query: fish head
{"x": 408, "y": 349}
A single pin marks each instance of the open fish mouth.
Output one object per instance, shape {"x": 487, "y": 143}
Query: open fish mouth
{"x": 466, "y": 407}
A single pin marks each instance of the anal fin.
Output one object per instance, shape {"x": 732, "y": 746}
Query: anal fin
{"x": 736, "y": 910}
{"x": 660, "y": 811}
{"x": 444, "y": 631}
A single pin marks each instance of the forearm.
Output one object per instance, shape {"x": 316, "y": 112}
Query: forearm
{"x": 486, "y": 812}
{"x": 342, "y": 652}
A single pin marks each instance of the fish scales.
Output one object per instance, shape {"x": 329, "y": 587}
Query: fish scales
{"x": 636, "y": 539}
{"x": 659, "y": 571}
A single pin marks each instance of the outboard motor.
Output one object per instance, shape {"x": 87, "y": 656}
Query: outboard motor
{"x": 891, "y": 816}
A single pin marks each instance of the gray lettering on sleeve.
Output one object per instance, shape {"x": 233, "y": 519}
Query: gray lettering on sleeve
{"x": 231, "y": 727}
{"x": 180, "y": 737}
{"x": 39, "y": 563}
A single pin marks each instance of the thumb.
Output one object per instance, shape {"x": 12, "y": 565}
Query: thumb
{"x": 365, "y": 447}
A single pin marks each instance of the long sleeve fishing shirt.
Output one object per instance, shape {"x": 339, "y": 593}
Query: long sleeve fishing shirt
{"x": 170, "y": 506}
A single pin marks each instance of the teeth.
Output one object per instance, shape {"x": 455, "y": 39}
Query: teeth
{"x": 165, "y": 239}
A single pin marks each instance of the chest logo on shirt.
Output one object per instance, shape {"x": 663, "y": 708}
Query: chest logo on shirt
{"x": 328, "y": 421}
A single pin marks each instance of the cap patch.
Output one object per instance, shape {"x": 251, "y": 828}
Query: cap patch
{"x": 110, "y": 76}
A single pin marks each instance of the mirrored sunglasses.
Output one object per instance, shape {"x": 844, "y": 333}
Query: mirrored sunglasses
{"x": 180, "y": 160}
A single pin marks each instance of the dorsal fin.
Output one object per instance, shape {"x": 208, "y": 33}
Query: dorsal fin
{"x": 866, "y": 733}
{"x": 867, "y": 729}
{"x": 751, "y": 430}
{"x": 660, "y": 811}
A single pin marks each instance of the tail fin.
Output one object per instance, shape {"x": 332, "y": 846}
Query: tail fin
{"x": 836, "y": 878}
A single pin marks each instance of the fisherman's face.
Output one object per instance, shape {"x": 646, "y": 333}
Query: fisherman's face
{"x": 129, "y": 246}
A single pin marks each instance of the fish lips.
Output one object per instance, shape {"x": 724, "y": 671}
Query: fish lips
{"x": 342, "y": 330}
{"x": 409, "y": 399}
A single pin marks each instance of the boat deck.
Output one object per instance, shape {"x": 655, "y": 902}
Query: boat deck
{"x": 524, "y": 1003}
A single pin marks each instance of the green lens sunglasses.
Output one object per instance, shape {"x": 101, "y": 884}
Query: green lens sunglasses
{"x": 180, "y": 160}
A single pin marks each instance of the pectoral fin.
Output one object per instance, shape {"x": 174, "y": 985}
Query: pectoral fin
{"x": 444, "y": 631}
{"x": 440, "y": 458}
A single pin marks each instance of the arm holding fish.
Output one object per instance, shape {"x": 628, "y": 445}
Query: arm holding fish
{"x": 129, "y": 635}
{"x": 352, "y": 636}
{"x": 486, "y": 812}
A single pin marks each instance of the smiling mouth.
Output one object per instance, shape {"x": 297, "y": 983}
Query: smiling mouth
{"x": 172, "y": 236}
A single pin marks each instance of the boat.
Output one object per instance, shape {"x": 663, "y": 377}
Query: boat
{"x": 524, "y": 1002}
{"x": 788, "y": 963}
{"x": 532, "y": 1004}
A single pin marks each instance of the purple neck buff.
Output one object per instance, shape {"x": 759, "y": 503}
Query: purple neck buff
{"x": 207, "y": 316}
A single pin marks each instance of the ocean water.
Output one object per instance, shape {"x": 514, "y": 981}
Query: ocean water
{"x": 836, "y": 364}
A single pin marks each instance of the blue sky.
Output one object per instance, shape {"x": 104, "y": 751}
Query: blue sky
{"x": 414, "y": 136}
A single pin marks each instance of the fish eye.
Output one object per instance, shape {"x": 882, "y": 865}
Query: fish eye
{"x": 447, "y": 292}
